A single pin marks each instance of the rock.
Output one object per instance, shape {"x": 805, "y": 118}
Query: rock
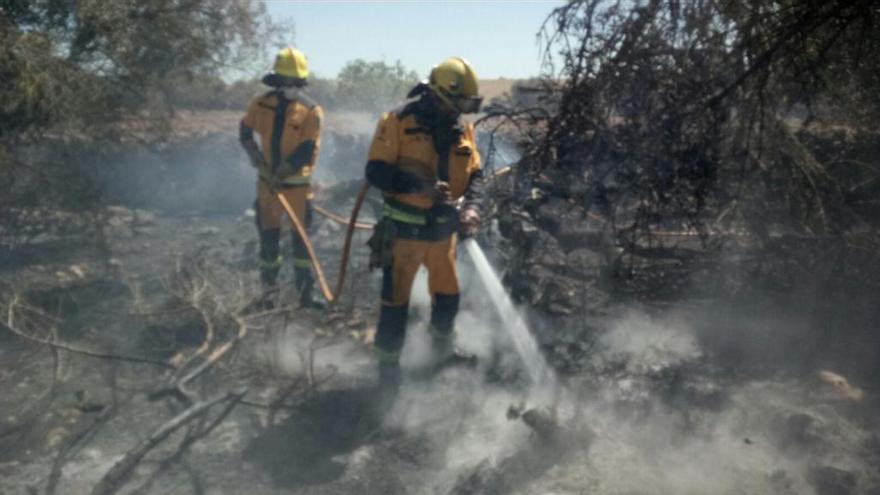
{"x": 835, "y": 386}
{"x": 209, "y": 231}
{"x": 829, "y": 480}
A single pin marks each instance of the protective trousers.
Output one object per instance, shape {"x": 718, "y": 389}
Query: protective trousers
{"x": 397, "y": 281}
{"x": 269, "y": 214}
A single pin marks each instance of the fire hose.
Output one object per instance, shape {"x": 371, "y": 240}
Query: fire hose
{"x": 352, "y": 224}
{"x": 346, "y": 248}
{"x": 366, "y": 226}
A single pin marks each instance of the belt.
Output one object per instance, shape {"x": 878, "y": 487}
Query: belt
{"x": 291, "y": 181}
{"x": 421, "y": 224}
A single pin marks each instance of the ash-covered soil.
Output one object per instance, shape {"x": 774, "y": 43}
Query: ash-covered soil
{"x": 655, "y": 395}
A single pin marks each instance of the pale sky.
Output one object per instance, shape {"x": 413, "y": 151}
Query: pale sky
{"x": 498, "y": 38}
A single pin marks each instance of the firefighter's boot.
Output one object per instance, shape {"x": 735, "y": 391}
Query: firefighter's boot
{"x": 305, "y": 286}
{"x": 270, "y": 265}
{"x": 443, "y": 348}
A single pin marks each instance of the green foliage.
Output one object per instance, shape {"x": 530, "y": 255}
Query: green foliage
{"x": 212, "y": 93}
{"x": 360, "y": 86}
{"x": 85, "y": 65}
{"x": 373, "y": 86}
{"x": 78, "y": 77}
{"x": 324, "y": 91}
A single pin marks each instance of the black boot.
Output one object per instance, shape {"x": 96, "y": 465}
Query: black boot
{"x": 445, "y": 353}
{"x": 267, "y": 298}
{"x": 305, "y": 286}
{"x": 270, "y": 265}
{"x": 302, "y": 270}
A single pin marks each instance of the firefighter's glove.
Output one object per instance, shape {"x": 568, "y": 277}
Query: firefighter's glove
{"x": 381, "y": 244}
{"x": 258, "y": 161}
{"x": 438, "y": 191}
{"x": 469, "y": 222}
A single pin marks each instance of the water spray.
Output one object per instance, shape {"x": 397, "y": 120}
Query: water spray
{"x": 536, "y": 366}
{"x": 540, "y": 373}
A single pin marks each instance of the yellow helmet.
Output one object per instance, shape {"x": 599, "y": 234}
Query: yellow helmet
{"x": 454, "y": 82}
{"x": 291, "y": 68}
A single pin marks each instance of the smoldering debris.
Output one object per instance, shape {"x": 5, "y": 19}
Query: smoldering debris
{"x": 648, "y": 414}
{"x": 642, "y": 406}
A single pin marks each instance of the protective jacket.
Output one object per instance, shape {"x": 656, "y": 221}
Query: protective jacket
{"x": 290, "y": 136}
{"x": 414, "y": 147}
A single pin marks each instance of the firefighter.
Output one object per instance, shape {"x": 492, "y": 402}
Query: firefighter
{"x": 424, "y": 159}
{"x": 289, "y": 126}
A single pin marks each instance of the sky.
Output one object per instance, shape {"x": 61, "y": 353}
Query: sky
{"x": 497, "y": 37}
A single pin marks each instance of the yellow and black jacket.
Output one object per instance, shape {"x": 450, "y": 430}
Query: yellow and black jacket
{"x": 290, "y": 136}
{"x": 414, "y": 147}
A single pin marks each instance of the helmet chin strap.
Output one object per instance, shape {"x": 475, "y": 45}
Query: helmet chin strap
{"x": 444, "y": 108}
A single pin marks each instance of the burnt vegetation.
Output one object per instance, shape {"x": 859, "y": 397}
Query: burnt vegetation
{"x": 720, "y": 156}
{"x": 703, "y": 148}
{"x": 717, "y": 115}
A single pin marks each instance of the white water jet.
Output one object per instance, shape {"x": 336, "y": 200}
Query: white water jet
{"x": 526, "y": 345}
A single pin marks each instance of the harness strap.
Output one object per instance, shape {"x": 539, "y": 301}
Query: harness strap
{"x": 278, "y": 131}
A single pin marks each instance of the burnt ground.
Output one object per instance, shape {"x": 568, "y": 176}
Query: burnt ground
{"x": 684, "y": 393}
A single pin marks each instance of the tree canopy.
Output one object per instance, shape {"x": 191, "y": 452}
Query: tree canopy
{"x": 78, "y": 77}
{"x": 374, "y": 85}
{"x": 90, "y": 63}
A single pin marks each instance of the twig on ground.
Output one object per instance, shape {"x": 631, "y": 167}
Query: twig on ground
{"x": 67, "y": 449}
{"x": 117, "y": 475}
{"x": 10, "y": 325}
{"x": 177, "y": 387}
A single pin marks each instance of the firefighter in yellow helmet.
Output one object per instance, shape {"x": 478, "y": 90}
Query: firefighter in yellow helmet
{"x": 424, "y": 159}
{"x": 289, "y": 128}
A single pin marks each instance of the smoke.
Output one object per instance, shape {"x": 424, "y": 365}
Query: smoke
{"x": 663, "y": 418}
{"x": 204, "y": 171}
{"x": 664, "y": 421}
{"x": 646, "y": 345}
{"x": 650, "y": 413}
